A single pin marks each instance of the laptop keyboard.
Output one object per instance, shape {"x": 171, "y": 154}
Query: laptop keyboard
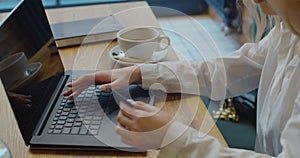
{"x": 81, "y": 116}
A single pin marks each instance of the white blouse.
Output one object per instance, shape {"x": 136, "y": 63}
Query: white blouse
{"x": 272, "y": 65}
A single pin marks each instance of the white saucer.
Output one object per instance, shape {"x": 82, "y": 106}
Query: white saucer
{"x": 116, "y": 55}
{"x": 32, "y": 72}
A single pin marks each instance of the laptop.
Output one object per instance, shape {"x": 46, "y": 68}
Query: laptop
{"x": 46, "y": 118}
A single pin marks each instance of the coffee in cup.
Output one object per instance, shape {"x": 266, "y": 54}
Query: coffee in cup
{"x": 13, "y": 68}
{"x": 141, "y": 42}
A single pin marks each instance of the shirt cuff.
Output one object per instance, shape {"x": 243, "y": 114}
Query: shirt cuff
{"x": 149, "y": 74}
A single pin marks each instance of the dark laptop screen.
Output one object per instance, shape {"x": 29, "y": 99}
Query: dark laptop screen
{"x": 27, "y": 30}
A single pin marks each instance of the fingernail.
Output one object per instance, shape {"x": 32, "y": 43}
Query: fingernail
{"x": 129, "y": 100}
{"x": 102, "y": 88}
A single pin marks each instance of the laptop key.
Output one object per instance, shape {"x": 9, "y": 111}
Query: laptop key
{"x": 64, "y": 114}
{"x": 77, "y": 124}
{"x": 61, "y": 122}
{"x": 75, "y": 130}
{"x": 75, "y": 108}
{"x": 82, "y": 110}
{"x": 65, "y": 97}
{"x": 62, "y": 118}
{"x": 66, "y": 130}
{"x": 73, "y": 111}
{"x": 87, "y": 122}
{"x": 70, "y": 102}
{"x": 78, "y": 100}
{"x": 97, "y": 118}
{"x": 93, "y": 132}
{"x": 83, "y": 130}
{"x": 96, "y": 122}
{"x": 90, "y": 92}
{"x": 92, "y": 87}
{"x": 67, "y": 109}
{"x": 64, "y": 100}
{"x": 70, "y": 120}
{"x": 99, "y": 113}
{"x": 90, "y": 114}
{"x": 78, "y": 119}
{"x": 57, "y": 131}
{"x": 97, "y": 93}
{"x": 88, "y": 117}
{"x": 68, "y": 124}
{"x": 80, "y": 96}
{"x": 86, "y": 100}
{"x": 92, "y": 109}
{"x": 89, "y": 95}
{"x": 59, "y": 127}
{"x": 94, "y": 127}
{"x": 69, "y": 105}
{"x": 72, "y": 116}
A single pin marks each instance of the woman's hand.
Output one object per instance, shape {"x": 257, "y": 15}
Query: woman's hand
{"x": 77, "y": 86}
{"x": 142, "y": 126}
{"x": 116, "y": 79}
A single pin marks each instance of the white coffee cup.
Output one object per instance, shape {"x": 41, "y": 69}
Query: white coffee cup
{"x": 141, "y": 42}
{"x": 13, "y": 68}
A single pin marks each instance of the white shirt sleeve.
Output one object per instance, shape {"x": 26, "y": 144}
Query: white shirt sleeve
{"x": 184, "y": 141}
{"x": 290, "y": 137}
{"x": 212, "y": 78}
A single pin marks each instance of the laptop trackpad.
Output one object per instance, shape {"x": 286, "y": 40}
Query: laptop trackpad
{"x": 107, "y": 134}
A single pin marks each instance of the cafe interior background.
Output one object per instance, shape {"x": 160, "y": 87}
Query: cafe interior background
{"x": 226, "y": 25}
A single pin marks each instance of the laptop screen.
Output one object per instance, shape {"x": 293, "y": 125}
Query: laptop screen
{"x": 26, "y": 36}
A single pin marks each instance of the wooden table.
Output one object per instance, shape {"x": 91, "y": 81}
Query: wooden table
{"x": 95, "y": 56}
